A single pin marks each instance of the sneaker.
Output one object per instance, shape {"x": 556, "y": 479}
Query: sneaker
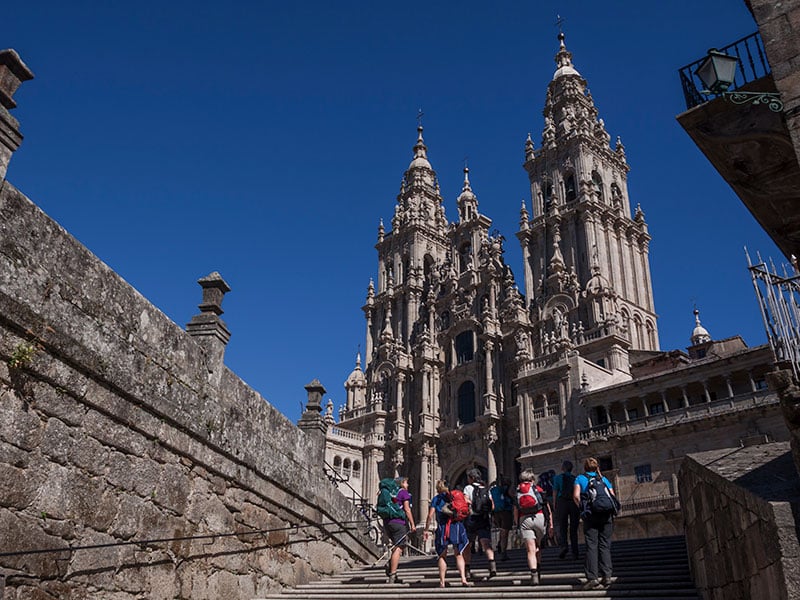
{"x": 536, "y": 578}
{"x": 393, "y": 578}
{"x": 591, "y": 584}
{"x": 605, "y": 581}
{"x": 492, "y": 569}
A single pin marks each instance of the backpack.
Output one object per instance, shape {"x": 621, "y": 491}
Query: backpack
{"x": 528, "y": 498}
{"x": 456, "y": 508}
{"x": 387, "y": 506}
{"x": 567, "y": 483}
{"x": 597, "y": 500}
{"x": 481, "y": 501}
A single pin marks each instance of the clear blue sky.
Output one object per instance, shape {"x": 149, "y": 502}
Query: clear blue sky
{"x": 265, "y": 140}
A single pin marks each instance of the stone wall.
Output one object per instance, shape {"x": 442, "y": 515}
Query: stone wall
{"x": 741, "y": 534}
{"x": 117, "y": 426}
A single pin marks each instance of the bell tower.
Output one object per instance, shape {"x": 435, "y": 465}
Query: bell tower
{"x": 586, "y": 257}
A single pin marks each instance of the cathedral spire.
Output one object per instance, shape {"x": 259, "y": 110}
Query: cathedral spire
{"x": 564, "y": 60}
{"x": 467, "y": 201}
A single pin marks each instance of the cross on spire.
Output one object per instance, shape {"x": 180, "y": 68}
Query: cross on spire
{"x": 559, "y": 22}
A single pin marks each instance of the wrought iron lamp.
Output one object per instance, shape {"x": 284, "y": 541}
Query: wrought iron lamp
{"x": 718, "y": 71}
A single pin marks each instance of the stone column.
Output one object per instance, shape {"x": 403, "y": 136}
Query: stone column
{"x": 664, "y": 402}
{"x": 685, "y": 397}
{"x": 209, "y": 330}
{"x": 491, "y": 459}
{"x": 313, "y": 423}
{"x": 12, "y": 73}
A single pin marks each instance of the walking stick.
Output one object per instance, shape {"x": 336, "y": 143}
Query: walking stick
{"x": 390, "y": 548}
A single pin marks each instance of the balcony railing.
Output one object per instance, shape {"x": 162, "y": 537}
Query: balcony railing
{"x": 652, "y": 504}
{"x": 545, "y": 411}
{"x": 753, "y": 65}
{"x": 694, "y": 412}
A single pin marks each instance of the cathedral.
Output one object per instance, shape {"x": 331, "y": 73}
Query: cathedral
{"x": 461, "y": 369}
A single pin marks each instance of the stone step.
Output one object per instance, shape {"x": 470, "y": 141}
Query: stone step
{"x": 647, "y": 569}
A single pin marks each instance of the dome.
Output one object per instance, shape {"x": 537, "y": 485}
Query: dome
{"x": 700, "y": 334}
{"x": 357, "y": 377}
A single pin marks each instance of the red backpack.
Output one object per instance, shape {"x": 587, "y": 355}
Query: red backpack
{"x": 528, "y": 498}
{"x": 456, "y": 508}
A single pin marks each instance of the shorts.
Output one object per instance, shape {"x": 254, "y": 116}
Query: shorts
{"x": 457, "y": 538}
{"x": 502, "y": 519}
{"x": 532, "y": 527}
{"x": 478, "y": 527}
{"x": 397, "y": 532}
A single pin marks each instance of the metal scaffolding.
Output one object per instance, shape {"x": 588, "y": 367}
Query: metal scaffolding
{"x": 779, "y": 300}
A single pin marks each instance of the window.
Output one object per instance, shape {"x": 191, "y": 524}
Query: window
{"x": 466, "y": 403}
{"x": 656, "y": 408}
{"x": 600, "y": 415}
{"x": 597, "y": 186}
{"x": 761, "y": 384}
{"x": 337, "y": 464}
{"x": 633, "y": 413}
{"x": 346, "y": 470}
{"x": 547, "y": 195}
{"x": 465, "y": 348}
{"x": 569, "y": 188}
{"x": 643, "y": 474}
{"x": 356, "y": 469}
{"x": 605, "y": 463}
{"x": 601, "y": 362}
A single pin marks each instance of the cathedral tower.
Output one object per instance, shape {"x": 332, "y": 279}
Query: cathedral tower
{"x": 586, "y": 259}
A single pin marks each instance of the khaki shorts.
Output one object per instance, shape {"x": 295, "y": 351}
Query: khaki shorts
{"x": 532, "y": 527}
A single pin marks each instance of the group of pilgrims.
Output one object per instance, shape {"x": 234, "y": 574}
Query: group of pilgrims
{"x": 547, "y": 510}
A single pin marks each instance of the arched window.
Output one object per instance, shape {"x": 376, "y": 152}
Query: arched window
{"x": 651, "y": 335}
{"x": 356, "y": 470}
{"x": 465, "y": 347}
{"x": 346, "y": 467}
{"x": 597, "y": 186}
{"x": 337, "y": 464}
{"x": 637, "y": 323}
{"x": 547, "y": 195}
{"x": 466, "y": 403}
{"x": 570, "y": 191}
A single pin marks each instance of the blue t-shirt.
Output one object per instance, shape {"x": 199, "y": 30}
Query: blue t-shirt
{"x": 500, "y": 498}
{"x": 437, "y": 503}
{"x": 583, "y": 480}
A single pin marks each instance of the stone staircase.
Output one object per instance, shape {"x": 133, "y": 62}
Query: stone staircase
{"x": 656, "y": 568}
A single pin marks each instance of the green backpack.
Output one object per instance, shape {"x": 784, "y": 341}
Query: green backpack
{"x": 387, "y": 506}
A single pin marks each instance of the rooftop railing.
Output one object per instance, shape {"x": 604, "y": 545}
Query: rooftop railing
{"x": 753, "y": 65}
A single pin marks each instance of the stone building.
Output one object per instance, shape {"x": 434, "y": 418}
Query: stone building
{"x": 461, "y": 369}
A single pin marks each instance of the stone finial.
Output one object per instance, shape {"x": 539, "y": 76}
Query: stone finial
{"x": 313, "y": 423}
{"x": 214, "y": 290}
{"x": 211, "y": 331}
{"x": 12, "y": 73}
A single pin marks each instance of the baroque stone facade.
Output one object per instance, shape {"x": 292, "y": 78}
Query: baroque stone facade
{"x": 461, "y": 369}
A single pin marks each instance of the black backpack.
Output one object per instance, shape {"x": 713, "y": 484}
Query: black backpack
{"x": 481, "y": 501}
{"x": 597, "y": 500}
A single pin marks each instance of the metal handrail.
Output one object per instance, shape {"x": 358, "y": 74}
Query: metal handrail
{"x": 752, "y": 65}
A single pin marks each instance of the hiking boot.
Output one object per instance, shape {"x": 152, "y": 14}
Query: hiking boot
{"x": 536, "y": 577}
{"x": 591, "y": 584}
{"x": 492, "y": 569}
{"x": 393, "y": 578}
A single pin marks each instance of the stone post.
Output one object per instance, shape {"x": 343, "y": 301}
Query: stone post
{"x": 12, "y": 73}
{"x": 211, "y": 332}
{"x": 313, "y": 423}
